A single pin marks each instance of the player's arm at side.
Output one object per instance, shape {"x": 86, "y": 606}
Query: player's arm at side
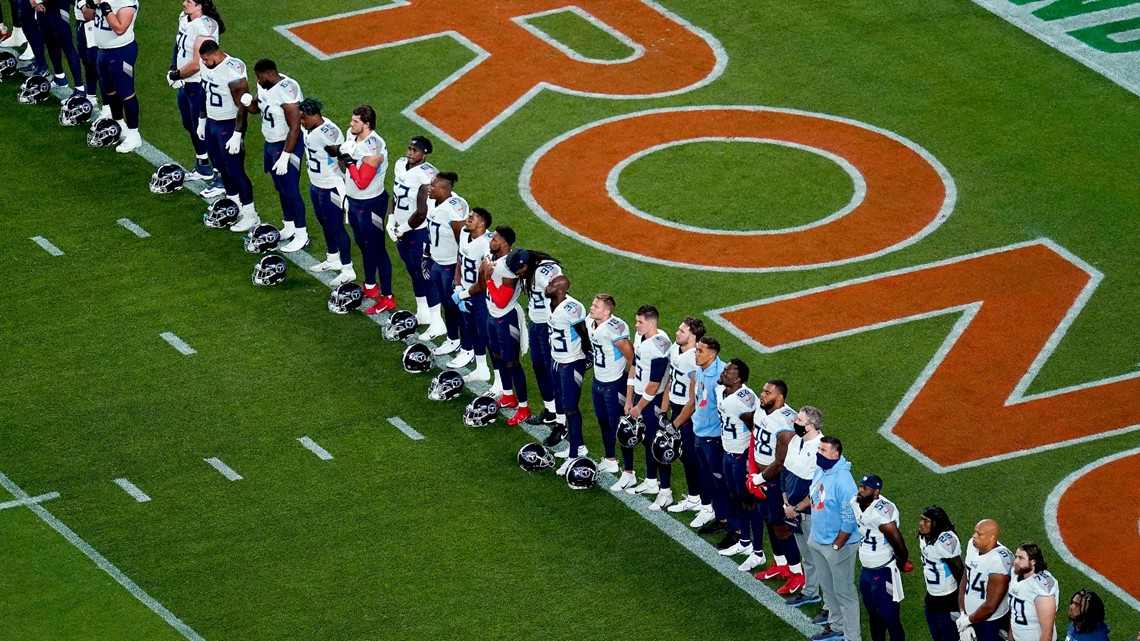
{"x": 1046, "y": 615}
{"x": 895, "y": 538}
{"x": 686, "y": 412}
{"x": 293, "y": 119}
{"x": 772, "y": 471}
{"x": 656, "y": 376}
{"x": 587, "y": 346}
{"x": 997, "y": 587}
{"x": 238, "y": 89}
{"x": 420, "y": 214}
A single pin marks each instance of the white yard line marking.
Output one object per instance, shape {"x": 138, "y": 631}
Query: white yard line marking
{"x": 178, "y": 343}
{"x": 226, "y": 470}
{"x": 138, "y": 231}
{"x": 48, "y": 247}
{"x": 102, "y": 562}
{"x": 31, "y": 500}
{"x": 133, "y": 490}
{"x": 312, "y": 446}
{"x": 405, "y": 428}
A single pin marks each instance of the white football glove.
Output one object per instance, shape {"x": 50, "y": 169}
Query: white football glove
{"x": 963, "y": 622}
{"x": 391, "y": 228}
{"x": 201, "y": 130}
{"x": 281, "y": 167}
{"x": 758, "y": 479}
{"x": 246, "y": 100}
{"x": 968, "y": 634}
{"x": 233, "y": 147}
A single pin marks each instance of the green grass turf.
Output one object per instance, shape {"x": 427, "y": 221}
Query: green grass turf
{"x": 581, "y": 36}
{"x": 445, "y": 537}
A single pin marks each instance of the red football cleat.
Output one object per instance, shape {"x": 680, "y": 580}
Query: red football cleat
{"x": 908, "y": 566}
{"x": 383, "y": 304}
{"x": 371, "y": 291}
{"x": 774, "y": 572}
{"x": 507, "y": 401}
{"x": 521, "y": 414}
{"x": 793, "y": 585}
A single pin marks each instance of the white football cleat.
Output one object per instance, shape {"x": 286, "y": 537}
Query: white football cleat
{"x": 664, "y": 499}
{"x": 562, "y": 469}
{"x": 566, "y": 453}
{"x": 627, "y": 479}
{"x": 249, "y": 219}
{"x": 608, "y": 465}
{"x": 462, "y": 359}
{"x": 480, "y": 373}
{"x": 690, "y": 504}
{"x": 704, "y": 515}
{"x": 28, "y": 54}
{"x": 299, "y": 242}
{"x": 213, "y": 191}
{"x": 648, "y": 486}
{"x": 448, "y": 346}
{"x": 435, "y": 330}
{"x": 132, "y": 140}
{"x": 347, "y": 275}
{"x": 331, "y": 263}
{"x": 753, "y": 561}
{"x": 17, "y": 40}
{"x": 737, "y": 548}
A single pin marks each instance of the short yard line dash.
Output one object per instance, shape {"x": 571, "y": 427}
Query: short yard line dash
{"x": 405, "y": 428}
{"x": 31, "y": 500}
{"x": 178, "y": 343}
{"x": 48, "y": 247}
{"x": 138, "y": 231}
{"x": 226, "y": 471}
{"x": 133, "y": 490}
{"x": 312, "y": 446}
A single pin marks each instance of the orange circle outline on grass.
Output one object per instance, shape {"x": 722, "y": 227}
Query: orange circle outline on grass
{"x": 909, "y": 193}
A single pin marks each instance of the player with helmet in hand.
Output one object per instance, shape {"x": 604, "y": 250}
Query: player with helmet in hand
{"x": 470, "y": 295}
{"x": 407, "y": 223}
{"x": 643, "y": 390}
{"x": 771, "y": 432}
{"x": 222, "y": 124}
{"x": 570, "y": 354}
{"x": 114, "y": 35}
{"x": 198, "y": 22}
{"x": 679, "y": 401}
{"x": 277, "y": 102}
{"x": 326, "y": 188}
{"x": 506, "y": 333}
{"x": 612, "y": 352}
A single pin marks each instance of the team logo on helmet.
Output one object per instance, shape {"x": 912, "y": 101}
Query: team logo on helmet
{"x": 630, "y": 431}
{"x": 167, "y": 179}
{"x": 263, "y": 238}
{"x": 482, "y": 410}
{"x": 8, "y": 64}
{"x": 446, "y": 385}
{"x": 533, "y": 457}
{"x": 417, "y": 358}
{"x": 104, "y": 133}
{"x": 345, "y": 298}
{"x": 666, "y": 445}
{"x": 76, "y": 110}
{"x": 401, "y": 325}
{"x": 270, "y": 270}
{"x": 582, "y": 474}
{"x": 35, "y": 90}
{"x": 222, "y": 213}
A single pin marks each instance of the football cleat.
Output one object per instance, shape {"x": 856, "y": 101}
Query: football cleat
{"x": 345, "y": 298}
{"x": 448, "y": 346}
{"x": 648, "y": 486}
{"x": 794, "y": 584}
{"x": 167, "y": 179}
{"x": 462, "y": 359}
{"x": 270, "y": 270}
{"x": 262, "y": 239}
{"x": 481, "y": 411}
{"x": 347, "y": 274}
{"x": 755, "y": 490}
{"x": 401, "y": 325}
{"x": 446, "y": 385}
{"x": 36, "y": 89}
{"x": 416, "y": 358}
{"x": 371, "y": 291}
{"x": 690, "y": 504}
{"x": 104, "y": 133}
{"x": 754, "y": 560}
{"x": 533, "y": 457}
{"x": 383, "y": 304}
{"x": 737, "y": 548}
{"x": 507, "y": 401}
{"x": 627, "y": 479}
{"x": 331, "y": 263}
{"x": 566, "y": 453}
{"x": 630, "y": 431}
{"x": 76, "y": 110}
{"x": 666, "y": 446}
{"x": 582, "y": 474}
{"x": 774, "y": 572}
{"x": 703, "y": 517}
{"x": 664, "y": 500}
{"x": 8, "y": 65}
{"x": 608, "y": 465}
{"x": 521, "y": 414}
{"x": 221, "y": 214}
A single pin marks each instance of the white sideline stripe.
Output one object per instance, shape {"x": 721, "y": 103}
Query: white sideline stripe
{"x": 48, "y": 247}
{"x": 312, "y": 446}
{"x": 138, "y": 231}
{"x": 133, "y": 490}
{"x": 405, "y": 428}
{"x": 31, "y": 500}
{"x": 178, "y": 343}
{"x": 226, "y": 470}
{"x": 702, "y": 549}
{"x": 102, "y": 562}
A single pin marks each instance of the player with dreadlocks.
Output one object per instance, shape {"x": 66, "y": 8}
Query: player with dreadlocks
{"x": 943, "y": 568}
{"x": 539, "y": 269}
{"x": 1086, "y": 616}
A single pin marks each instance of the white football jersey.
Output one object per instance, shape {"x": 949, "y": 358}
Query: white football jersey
{"x": 273, "y": 124}
{"x": 498, "y": 274}
{"x": 373, "y": 145}
{"x": 979, "y": 569}
{"x": 186, "y": 42}
{"x": 106, "y": 38}
{"x": 471, "y": 254}
{"x": 1023, "y": 607}
{"x": 800, "y": 459}
{"x": 609, "y": 363}
{"x": 406, "y": 190}
{"x": 682, "y": 370}
{"x": 565, "y": 343}
{"x": 324, "y": 170}
{"x": 645, "y": 351}
{"x": 441, "y": 238}
{"x": 538, "y": 308}
{"x": 940, "y": 580}
{"x": 875, "y": 551}
{"x": 766, "y": 428}
{"x": 220, "y": 103}
{"x": 734, "y": 434}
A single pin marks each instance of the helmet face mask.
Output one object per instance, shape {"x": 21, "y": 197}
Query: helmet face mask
{"x": 417, "y": 359}
{"x": 345, "y": 298}
{"x": 270, "y": 270}
{"x": 76, "y": 110}
{"x": 167, "y": 179}
{"x": 36, "y": 89}
{"x": 630, "y": 431}
{"x": 105, "y": 133}
{"x": 582, "y": 474}
{"x": 481, "y": 411}
{"x": 533, "y": 457}
{"x": 222, "y": 213}
{"x": 446, "y": 385}
{"x": 401, "y": 324}
{"x": 262, "y": 239}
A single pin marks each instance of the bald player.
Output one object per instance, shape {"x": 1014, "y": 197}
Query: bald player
{"x": 982, "y": 593}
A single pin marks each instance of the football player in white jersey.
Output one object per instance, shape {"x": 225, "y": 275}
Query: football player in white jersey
{"x": 364, "y": 157}
{"x": 470, "y": 294}
{"x": 326, "y": 187}
{"x": 114, "y": 35}
{"x": 538, "y": 315}
{"x": 771, "y": 434}
{"x": 222, "y": 125}
{"x": 506, "y": 331}
{"x": 737, "y": 405}
{"x": 883, "y": 553}
{"x": 1033, "y": 595}
{"x": 982, "y": 596}
{"x": 612, "y": 352}
{"x": 570, "y": 352}
{"x": 643, "y": 389}
{"x": 446, "y": 211}
{"x": 198, "y": 22}
{"x": 942, "y": 567}
{"x": 407, "y": 224}
{"x": 795, "y": 487}
{"x": 679, "y": 401}
{"x": 277, "y": 102}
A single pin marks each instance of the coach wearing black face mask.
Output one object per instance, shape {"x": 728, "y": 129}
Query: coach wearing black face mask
{"x": 833, "y": 523}
{"x": 795, "y": 481}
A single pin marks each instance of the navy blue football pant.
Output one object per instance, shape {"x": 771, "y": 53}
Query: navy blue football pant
{"x": 540, "y": 360}
{"x": 230, "y": 166}
{"x": 57, "y": 15}
{"x": 412, "y": 246}
{"x": 16, "y": 24}
{"x": 89, "y": 55}
{"x": 568, "y": 399}
{"x": 939, "y": 619}
{"x": 748, "y": 519}
{"x": 650, "y": 418}
{"x": 35, "y": 30}
{"x": 609, "y": 405}
{"x": 366, "y": 217}
{"x": 882, "y": 610}
{"x": 117, "y": 69}
{"x": 191, "y": 104}
{"x": 288, "y": 186}
{"x": 473, "y": 326}
{"x": 443, "y": 282}
{"x": 710, "y": 451}
{"x": 504, "y": 337}
{"x": 990, "y": 630}
{"x": 688, "y": 457}
{"x": 326, "y": 207}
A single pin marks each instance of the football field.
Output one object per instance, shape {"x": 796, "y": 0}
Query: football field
{"x": 922, "y": 216}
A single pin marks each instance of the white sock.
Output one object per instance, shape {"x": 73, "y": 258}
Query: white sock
{"x": 549, "y": 405}
{"x": 780, "y": 559}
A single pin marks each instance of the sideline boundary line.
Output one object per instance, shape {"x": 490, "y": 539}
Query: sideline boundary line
{"x": 30, "y": 500}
